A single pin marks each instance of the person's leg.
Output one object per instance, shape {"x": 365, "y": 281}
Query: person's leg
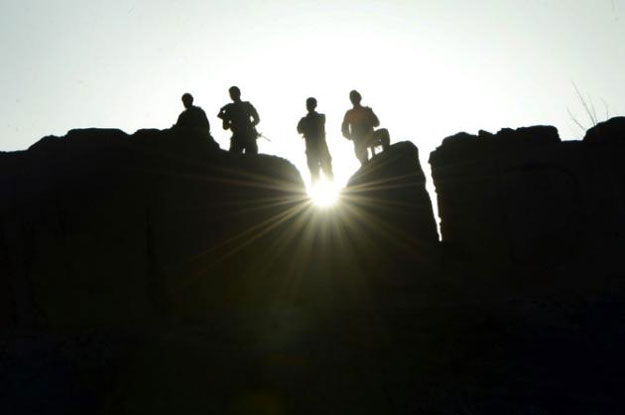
{"x": 235, "y": 145}
{"x": 251, "y": 147}
{"x": 360, "y": 148}
{"x": 313, "y": 165}
{"x": 314, "y": 173}
{"x": 325, "y": 160}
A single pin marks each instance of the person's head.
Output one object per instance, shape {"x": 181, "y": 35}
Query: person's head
{"x": 311, "y": 104}
{"x": 187, "y": 100}
{"x": 235, "y": 93}
{"x": 354, "y": 97}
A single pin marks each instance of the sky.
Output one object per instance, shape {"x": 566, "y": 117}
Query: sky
{"x": 428, "y": 68}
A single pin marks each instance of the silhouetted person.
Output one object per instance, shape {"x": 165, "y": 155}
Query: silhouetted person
{"x": 241, "y": 118}
{"x": 358, "y": 125}
{"x": 192, "y": 116}
{"x": 193, "y": 119}
{"x": 312, "y": 126}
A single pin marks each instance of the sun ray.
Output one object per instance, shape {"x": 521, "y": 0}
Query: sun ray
{"x": 324, "y": 193}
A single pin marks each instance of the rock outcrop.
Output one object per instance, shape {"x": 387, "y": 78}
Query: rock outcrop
{"x": 124, "y": 256}
{"x": 522, "y": 199}
{"x": 611, "y": 131}
{"x": 388, "y": 196}
{"x": 155, "y": 273}
{"x": 100, "y": 227}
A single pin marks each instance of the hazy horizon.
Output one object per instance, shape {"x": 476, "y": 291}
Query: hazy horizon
{"x": 428, "y": 69}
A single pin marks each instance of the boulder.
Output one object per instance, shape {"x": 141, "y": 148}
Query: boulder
{"x": 611, "y": 131}
{"x": 388, "y": 196}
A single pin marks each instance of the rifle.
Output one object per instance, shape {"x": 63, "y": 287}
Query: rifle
{"x": 264, "y": 136}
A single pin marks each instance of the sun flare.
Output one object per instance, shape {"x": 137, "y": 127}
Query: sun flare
{"x": 324, "y": 193}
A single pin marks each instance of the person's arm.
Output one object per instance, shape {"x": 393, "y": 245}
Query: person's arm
{"x": 204, "y": 119}
{"x": 254, "y": 115}
{"x": 345, "y": 127}
{"x": 300, "y": 126}
{"x": 222, "y": 114}
{"x": 374, "y": 118}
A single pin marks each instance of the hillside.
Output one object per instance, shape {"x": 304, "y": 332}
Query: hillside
{"x": 156, "y": 273}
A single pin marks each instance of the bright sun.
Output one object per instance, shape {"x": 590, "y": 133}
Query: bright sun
{"x": 324, "y": 193}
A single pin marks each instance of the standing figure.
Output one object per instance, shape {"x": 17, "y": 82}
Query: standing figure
{"x": 312, "y": 126}
{"x": 241, "y": 118}
{"x": 358, "y": 125}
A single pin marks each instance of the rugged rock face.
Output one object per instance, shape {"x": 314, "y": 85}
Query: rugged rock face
{"x": 522, "y": 198}
{"x": 156, "y": 273}
{"x": 100, "y": 227}
{"x": 608, "y": 132}
{"x": 110, "y": 242}
{"x": 389, "y": 191}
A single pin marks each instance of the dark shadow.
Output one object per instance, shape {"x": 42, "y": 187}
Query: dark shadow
{"x": 241, "y": 118}
{"x": 312, "y": 127}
